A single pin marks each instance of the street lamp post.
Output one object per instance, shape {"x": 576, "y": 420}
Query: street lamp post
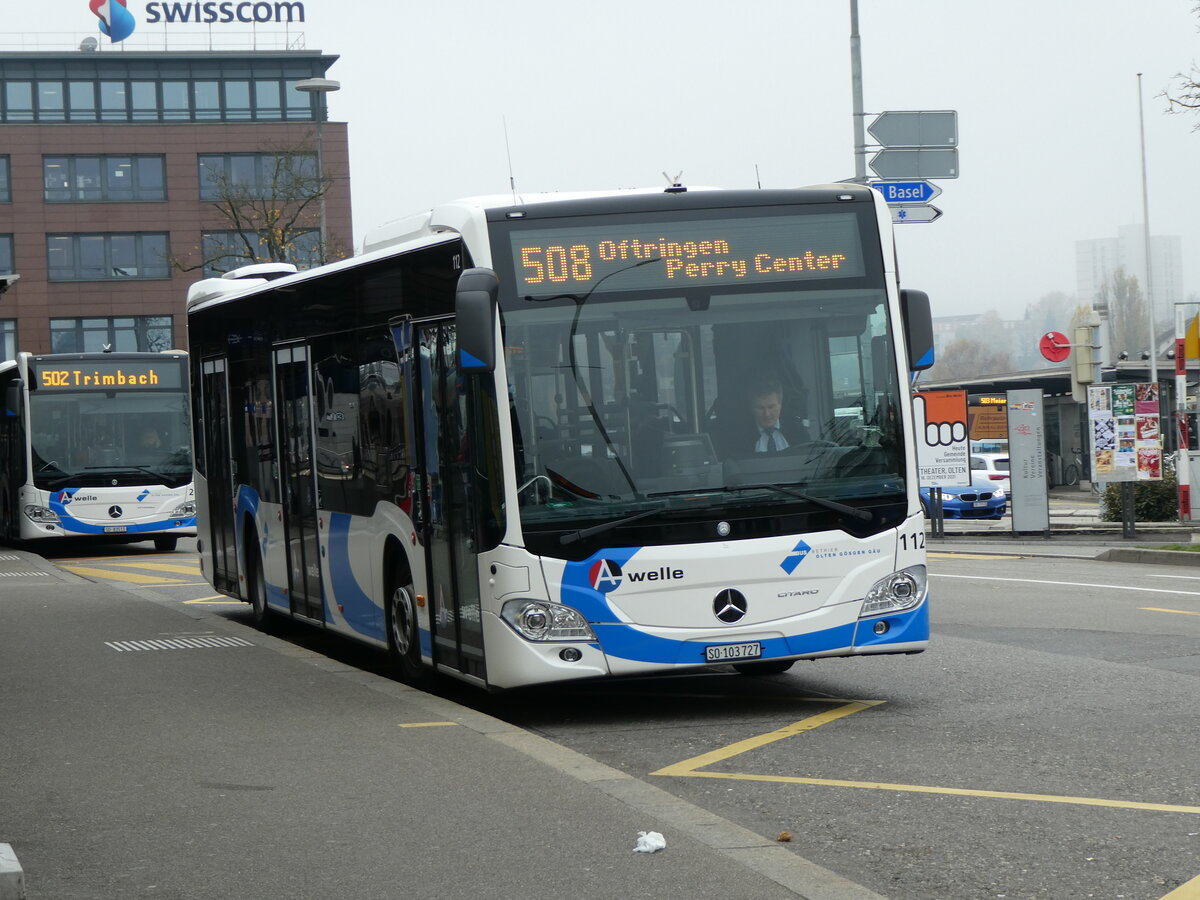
{"x": 1146, "y": 239}
{"x": 320, "y": 87}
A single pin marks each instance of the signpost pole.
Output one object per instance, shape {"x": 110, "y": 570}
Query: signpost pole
{"x": 1128, "y": 525}
{"x": 856, "y": 84}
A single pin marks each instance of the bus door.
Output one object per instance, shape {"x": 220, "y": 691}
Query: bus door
{"x": 298, "y": 486}
{"x": 450, "y": 519}
{"x": 221, "y": 539}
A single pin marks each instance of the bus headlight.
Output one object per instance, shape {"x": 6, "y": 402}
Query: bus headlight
{"x": 41, "y": 514}
{"x": 897, "y": 592}
{"x": 183, "y": 510}
{"x": 536, "y": 620}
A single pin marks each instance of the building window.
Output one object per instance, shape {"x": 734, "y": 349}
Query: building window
{"x": 85, "y": 179}
{"x": 114, "y": 107}
{"x": 5, "y": 181}
{"x": 6, "y": 258}
{"x": 228, "y": 250}
{"x": 18, "y": 101}
{"x": 176, "y": 101}
{"x": 141, "y": 100}
{"x": 128, "y": 333}
{"x": 8, "y": 338}
{"x": 52, "y": 101}
{"x": 285, "y": 176}
{"x": 106, "y": 257}
{"x": 82, "y": 97}
{"x": 100, "y": 87}
{"x": 237, "y": 100}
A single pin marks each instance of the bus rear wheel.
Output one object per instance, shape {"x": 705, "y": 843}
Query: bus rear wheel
{"x": 256, "y": 585}
{"x": 165, "y": 543}
{"x": 404, "y": 643}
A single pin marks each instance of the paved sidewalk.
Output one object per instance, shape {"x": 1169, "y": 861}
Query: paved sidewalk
{"x": 151, "y": 750}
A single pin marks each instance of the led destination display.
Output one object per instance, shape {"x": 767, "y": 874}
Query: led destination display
{"x": 107, "y": 376}
{"x": 683, "y": 254}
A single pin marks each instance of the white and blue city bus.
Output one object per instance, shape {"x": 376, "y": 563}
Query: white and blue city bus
{"x": 504, "y": 442}
{"x": 96, "y": 446}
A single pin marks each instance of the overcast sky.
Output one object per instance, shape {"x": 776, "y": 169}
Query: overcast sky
{"x": 729, "y": 94}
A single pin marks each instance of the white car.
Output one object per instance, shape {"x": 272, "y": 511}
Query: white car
{"x": 994, "y": 467}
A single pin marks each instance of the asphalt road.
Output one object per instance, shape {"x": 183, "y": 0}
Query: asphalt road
{"x": 1045, "y": 747}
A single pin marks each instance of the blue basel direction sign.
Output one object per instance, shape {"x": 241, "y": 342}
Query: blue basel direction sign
{"x": 906, "y": 191}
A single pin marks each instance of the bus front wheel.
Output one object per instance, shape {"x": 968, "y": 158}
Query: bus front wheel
{"x": 165, "y": 543}
{"x": 404, "y": 643}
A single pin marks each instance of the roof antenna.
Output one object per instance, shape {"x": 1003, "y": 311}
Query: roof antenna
{"x": 675, "y": 186}
{"x": 757, "y": 177}
{"x": 512, "y": 182}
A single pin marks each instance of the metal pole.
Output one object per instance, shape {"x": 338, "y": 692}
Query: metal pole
{"x": 1146, "y": 220}
{"x": 856, "y": 85}
{"x": 1128, "y": 526}
{"x": 321, "y": 181}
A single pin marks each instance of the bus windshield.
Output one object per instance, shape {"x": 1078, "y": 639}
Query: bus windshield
{"x": 713, "y": 360}
{"x": 630, "y": 401}
{"x": 93, "y": 437}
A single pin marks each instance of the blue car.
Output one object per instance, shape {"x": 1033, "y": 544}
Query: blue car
{"x": 984, "y": 499}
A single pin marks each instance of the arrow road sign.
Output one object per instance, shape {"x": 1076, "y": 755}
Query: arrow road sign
{"x": 906, "y": 191}
{"x": 916, "y": 128}
{"x": 902, "y": 215}
{"x": 937, "y": 163}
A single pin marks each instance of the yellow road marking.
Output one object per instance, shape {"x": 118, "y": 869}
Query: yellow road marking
{"x": 161, "y": 567}
{"x": 1189, "y": 891}
{"x": 690, "y": 768}
{"x": 132, "y": 577}
{"x": 959, "y": 792}
{"x": 1182, "y": 612}
{"x": 425, "y": 724}
{"x": 216, "y": 601}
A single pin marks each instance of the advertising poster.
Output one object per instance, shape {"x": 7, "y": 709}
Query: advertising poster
{"x": 943, "y": 448}
{"x": 1126, "y": 432}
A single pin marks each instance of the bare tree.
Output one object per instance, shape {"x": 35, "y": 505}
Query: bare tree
{"x": 271, "y": 204}
{"x": 1186, "y": 98}
{"x": 1050, "y": 313}
{"x": 967, "y": 358}
{"x": 1128, "y": 324}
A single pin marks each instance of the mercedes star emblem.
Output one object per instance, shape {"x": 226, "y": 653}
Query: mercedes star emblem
{"x": 730, "y": 606}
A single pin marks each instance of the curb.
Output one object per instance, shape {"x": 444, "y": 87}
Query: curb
{"x": 12, "y": 879}
{"x": 1155, "y": 557}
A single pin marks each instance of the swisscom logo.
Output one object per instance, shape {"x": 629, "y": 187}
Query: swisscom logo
{"x": 118, "y": 22}
{"x": 115, "y": 20}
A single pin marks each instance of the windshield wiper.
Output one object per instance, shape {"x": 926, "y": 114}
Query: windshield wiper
{"x": 164, "y": 478}
{"x": 851, "y": 511}
{"x": 576, "y": 536}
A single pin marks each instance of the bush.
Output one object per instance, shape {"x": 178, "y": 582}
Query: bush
{"x": 1153, "y": 501}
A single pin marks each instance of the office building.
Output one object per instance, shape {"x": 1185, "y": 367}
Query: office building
{"x": 1097, "y": 260}
{"x": 112, "y": 166}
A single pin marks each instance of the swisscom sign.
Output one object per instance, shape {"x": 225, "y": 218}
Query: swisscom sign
{"x": 118, "y": 23}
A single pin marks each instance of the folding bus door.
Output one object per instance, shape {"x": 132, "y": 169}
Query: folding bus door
{"x": 451, "y": 519}
{"x": 293, "y": 403}
{"x": 220, "y": 541}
